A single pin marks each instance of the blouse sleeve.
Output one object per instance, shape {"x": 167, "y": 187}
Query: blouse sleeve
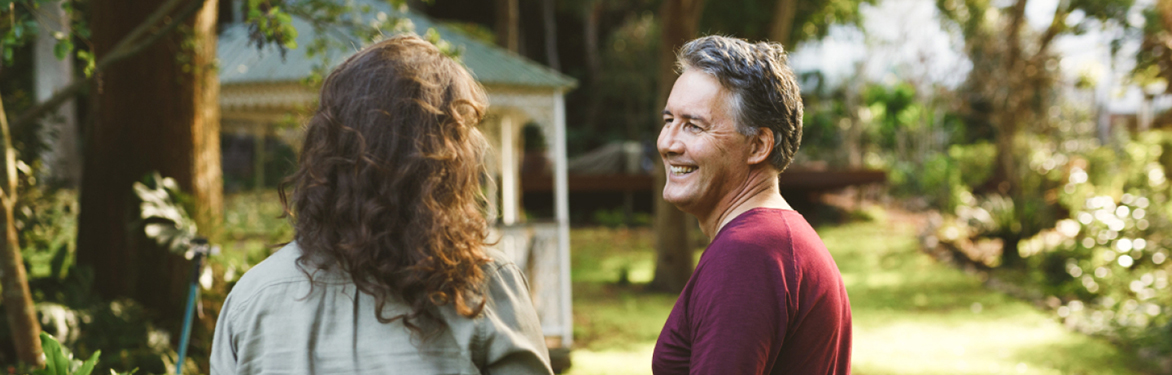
{"x": 223, "y": 358}
{"x": 510, "y": 332}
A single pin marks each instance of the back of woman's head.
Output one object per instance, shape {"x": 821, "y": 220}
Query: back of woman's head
{"x": 388, "y": 183}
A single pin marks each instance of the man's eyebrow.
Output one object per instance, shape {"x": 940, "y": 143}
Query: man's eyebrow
{"x": 694, "y": 118}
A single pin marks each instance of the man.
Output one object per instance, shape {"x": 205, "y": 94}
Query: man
{"x": 766, "y": 297}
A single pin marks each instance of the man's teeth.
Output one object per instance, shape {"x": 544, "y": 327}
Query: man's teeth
{"x": 682, "y": 170}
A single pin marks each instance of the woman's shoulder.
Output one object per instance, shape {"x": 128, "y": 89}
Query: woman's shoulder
{"x": 279, "y": 266}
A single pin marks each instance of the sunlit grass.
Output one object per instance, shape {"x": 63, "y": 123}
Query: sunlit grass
{"x": 911, "y": 314}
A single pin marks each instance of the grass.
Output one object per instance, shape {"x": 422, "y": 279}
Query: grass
{"x": 615, "y": 326}
{"x": 911, "y": 314}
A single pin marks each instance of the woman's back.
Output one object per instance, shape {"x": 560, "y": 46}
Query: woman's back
{"x": 274, "y": 322}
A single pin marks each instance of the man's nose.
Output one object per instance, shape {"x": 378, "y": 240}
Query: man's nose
{"x": 668, "y": 142}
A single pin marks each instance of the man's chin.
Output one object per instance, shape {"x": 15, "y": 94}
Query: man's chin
{"x": 680, "y": 202}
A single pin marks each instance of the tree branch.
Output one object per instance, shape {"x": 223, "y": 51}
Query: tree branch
{"x": 1056, "y": 26}
{"x": 121, "y": 51}
{"x": 1016, "y": 17}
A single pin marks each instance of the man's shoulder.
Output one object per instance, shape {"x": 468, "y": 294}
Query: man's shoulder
{"x": 756, "y": 228}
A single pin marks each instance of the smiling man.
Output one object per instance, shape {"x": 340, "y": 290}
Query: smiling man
{"x": 766, "y": 297}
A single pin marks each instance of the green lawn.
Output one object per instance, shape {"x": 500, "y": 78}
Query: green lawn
{"x": 911, "y": 314}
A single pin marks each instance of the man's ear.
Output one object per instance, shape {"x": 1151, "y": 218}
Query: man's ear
{"x": 760, "y": 145}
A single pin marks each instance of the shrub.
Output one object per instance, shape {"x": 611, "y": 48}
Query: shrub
{"x": 1108, "y": 262}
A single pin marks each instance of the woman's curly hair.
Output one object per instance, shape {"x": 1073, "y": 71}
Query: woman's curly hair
{"x": 388, "y": 183}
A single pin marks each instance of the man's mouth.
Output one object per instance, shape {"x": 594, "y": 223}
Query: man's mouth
{"x": 680, "y": 170}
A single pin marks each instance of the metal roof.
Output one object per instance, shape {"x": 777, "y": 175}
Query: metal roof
{"x": 241, "y": 63}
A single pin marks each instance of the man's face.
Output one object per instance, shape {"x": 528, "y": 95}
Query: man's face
{"x": 706, "y": 159}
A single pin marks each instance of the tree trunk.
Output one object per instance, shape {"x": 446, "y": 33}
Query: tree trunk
{"x": 508, "y": 25}
{"x": 593, "y": 63}
{"x": 62, "y": 159}
{"x": 783, "y": 22}
{"x": 593, "y": 60}
{"x": 22, "y": 313}
{"x": 156, "y": 111}
{"x": 673, "y": 263}
{"x": 551, "y": 35}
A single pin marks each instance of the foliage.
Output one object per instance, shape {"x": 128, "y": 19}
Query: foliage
{"x": 1108, "y": 262}
{"x": 58, "y": 360}
{"x": 751, "y": 19}
{"x": 914, "y": 139}
{"x": 20, "y": 25}
{"x": 67, "y": 306}
{"x": 625, "y": 88}
{"x": 164, "y": 218}
{"x": 616, "y": 217}
{"x": 271, "y": 23}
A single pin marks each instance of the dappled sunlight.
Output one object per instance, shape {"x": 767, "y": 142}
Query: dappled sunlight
{"x": 921, "y": 344}
{"x": 913, "y": 315}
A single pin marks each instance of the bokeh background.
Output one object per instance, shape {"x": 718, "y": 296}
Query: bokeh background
{"x": 991, "y": 177}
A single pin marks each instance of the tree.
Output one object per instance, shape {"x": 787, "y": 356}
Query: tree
{"x": 157, "y": 111}
{"x": 508, "y": 25}
{"x": 1154, "y": 58}
{"x": 551, "y": 37}
{"x": 1011, "y": 80}
{"x": 22, "y": 315}
{"x": 679, "y": 20}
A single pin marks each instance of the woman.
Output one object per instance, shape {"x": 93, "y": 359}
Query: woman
{"x": 388, "y": 271}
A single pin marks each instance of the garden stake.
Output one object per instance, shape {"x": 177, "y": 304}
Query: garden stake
{"x": 199, "y": 250}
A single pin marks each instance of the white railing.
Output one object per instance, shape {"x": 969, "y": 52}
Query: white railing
{"x": 533, "y": 247}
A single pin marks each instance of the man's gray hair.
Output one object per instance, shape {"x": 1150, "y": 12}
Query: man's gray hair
{"x": 765, "y": 93}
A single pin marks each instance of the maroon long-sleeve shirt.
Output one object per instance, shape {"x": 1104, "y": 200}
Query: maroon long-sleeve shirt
{"x": 766, "y": 298}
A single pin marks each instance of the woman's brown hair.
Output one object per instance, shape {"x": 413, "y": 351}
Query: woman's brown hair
{"x": 388, "y": 182}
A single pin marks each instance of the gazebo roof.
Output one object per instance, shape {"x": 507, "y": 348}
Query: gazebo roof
{"x": 242, "y": 63}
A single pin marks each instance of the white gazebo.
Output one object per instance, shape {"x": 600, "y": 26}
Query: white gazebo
{"x": 260, "y": 89}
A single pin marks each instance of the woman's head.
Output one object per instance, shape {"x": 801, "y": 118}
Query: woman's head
{"x": 388, "y": 184}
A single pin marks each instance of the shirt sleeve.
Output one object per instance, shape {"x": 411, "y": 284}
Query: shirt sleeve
{"x": 738, "y": 315}
{"x": 223, "y": 358}
{"x": 510, "y": 332}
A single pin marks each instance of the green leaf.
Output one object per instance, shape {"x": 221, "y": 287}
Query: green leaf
{"x": 62, "y": 49}
{"x": 89, "y": 61}
{"x": 55, "y": 361}
{"x": 57, "y": 264}
{"x": 88, "y": 367}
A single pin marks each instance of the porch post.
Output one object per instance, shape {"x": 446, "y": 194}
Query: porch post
{"x": 508, "y": 172}
{"x": 562, "y": 214}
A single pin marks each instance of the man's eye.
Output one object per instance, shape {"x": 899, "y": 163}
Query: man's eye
{"x": 667, "y": 121}
{"x": 691, "y": 126}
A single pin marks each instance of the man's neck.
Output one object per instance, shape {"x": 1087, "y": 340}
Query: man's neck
{"x": 760, "y": 190}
